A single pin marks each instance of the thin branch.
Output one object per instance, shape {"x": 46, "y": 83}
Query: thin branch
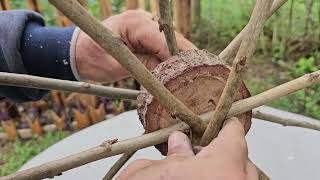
{"x": 112, "y": 44}
{"x": 269, "y": 95}
{"x": 307, "y": 123}
{"x": 166, "y": 25}
{"x": 118, "y": 165}
{"x": 107, "y": 149}
{"x": 230, "y": 51}
{"x": 247, "y": 48}
{"x": 23, "y": 80}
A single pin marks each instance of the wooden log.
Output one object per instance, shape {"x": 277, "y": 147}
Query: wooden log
{"x": 105, "y": 9}
{"x": 198, "y": 84}
{"x": 35, "y": 6}
{"x": 182, "y": 16}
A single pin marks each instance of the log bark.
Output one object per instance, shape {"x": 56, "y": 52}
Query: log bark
{"x": 113, "y": 44}
{"x": 107, "y": 149}
{"x": 105, "y": 9}
{"x": 230, "y": 51}
{"x": 166, "y": 25}
{"x": 182, "y": 16}
{"x": 22, "y": 80}
{"x": 246, "y": 50}
{"x": 198, "y": 84}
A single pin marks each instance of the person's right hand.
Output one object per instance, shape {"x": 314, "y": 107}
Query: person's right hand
{"x": 225, "y": 158}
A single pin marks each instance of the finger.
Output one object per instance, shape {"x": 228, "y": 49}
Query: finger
{"x": 150, "y": 61}
{"x": 133, "y": 167}
{"x": 179, "y": 145}
{"x": 231, "y": 140}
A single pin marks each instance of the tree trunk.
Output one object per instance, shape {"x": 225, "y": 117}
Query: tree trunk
{"x": 105, "y": 9}
{"x": 309, "y": 4}
{"x": 154, "y": 7}
{"x": 182, "y": 16}
{"x": 142, "y": 4}
{"x": 131, "y": 4}
{"x": 35, "y": 6}
{"x": 195, "y": 13}
{"x": 4, "y": 5}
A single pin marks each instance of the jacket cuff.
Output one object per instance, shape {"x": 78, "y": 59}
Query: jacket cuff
{"x": 46, "y": 51}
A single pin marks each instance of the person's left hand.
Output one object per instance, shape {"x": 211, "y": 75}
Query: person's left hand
{"x": 141, "y": 34}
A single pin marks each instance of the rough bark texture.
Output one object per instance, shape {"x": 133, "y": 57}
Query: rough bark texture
{"x": 195, "y": 77}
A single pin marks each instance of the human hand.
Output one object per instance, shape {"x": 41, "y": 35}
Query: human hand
{"x": 225, "y": 158}
{"x": 141, "y": 35}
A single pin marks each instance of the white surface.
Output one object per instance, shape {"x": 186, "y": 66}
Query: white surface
{"x": 283, "y": 152}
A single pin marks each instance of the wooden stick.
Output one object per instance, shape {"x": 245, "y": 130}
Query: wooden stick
{"x": 113, "y": 44}
{"x": 107, "y": 149}
{"x": 230, "y": 51}
{"x": 118, "y": 165}
{"x": 22, "y": 80}
{"x": 269, "y": 95}
{"x": 4, "y": 5}
{"x": 247, "y": 48}
{"x": 306, "y": 123}
{"x": 154, "y": 7}
{"x": 166, "y": 25}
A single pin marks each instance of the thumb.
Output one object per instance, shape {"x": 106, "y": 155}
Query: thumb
{"x": 179, "y": 145}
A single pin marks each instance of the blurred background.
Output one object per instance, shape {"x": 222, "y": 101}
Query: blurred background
{"x": 288, "y": 48}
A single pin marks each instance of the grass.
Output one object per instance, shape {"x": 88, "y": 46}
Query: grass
{"x": 14, "y": 154}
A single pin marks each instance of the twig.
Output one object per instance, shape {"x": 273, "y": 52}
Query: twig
{"x": 230, "y": 51}
{"x": 118, "y": 165}
{"x": 23, "y": 80}
{"x": 306, "y": 123}
{"x": 247, "y": 48}
{"x": 113, "y": 44}
{"x": 270, "y": 95}
{"x": 166, "y": 25}
{"x": 54, "y": 168}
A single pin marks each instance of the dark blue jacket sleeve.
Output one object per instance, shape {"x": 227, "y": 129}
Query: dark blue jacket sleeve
{"x": 28, "y": 47}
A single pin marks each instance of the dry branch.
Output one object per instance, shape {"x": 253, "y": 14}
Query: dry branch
{"x": 230, "y": 51}
{"x": 113, "y": 44}
{"x": 306, "y": 123}
{"x": 104, "y": 150}
{"x": 166, "y": 25}
{"x": 22, "y": 80}
{"x": 270, "y": 95}
{"x": 247, "y": 48}
{"x": 118, "y": 165}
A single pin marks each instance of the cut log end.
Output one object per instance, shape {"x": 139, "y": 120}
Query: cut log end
{"x": 195, "y": 77}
